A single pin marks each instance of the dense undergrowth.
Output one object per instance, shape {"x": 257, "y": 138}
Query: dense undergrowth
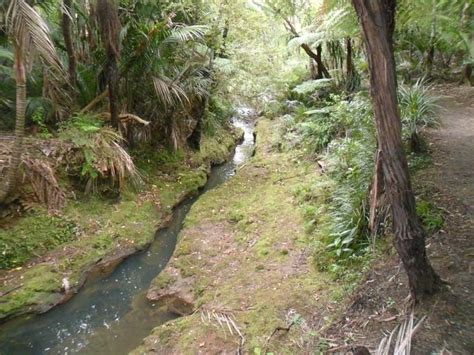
{"x": 335, "y": 129}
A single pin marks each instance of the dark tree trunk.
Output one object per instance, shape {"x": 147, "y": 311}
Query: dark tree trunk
{"x": 313, "y": 70}
{"x": 429, "y": 61}
{"x": 225, "y": 34}
{"x": 350, "y": 70}
{"x": 467, "y": 78}
{"x": 349, "y": 63}
{"x": 377, "y": 21}
{"x": 318, "y": 57}
{"x": 66, "y": 28}
{"x": 109, "y": 23}
{"x": 416, "y": 143}
{"x": 113, "y": 83}
{"x": 322, "y": 71}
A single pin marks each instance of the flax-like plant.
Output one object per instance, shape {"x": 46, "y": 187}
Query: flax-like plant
{"x": 419, "y": 109}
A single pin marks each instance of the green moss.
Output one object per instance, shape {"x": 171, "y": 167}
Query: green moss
{"x": 33, "y": 235}
{"x": 163, "y": 280}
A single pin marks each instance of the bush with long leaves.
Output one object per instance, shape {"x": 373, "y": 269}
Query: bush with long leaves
{"x": 419, "y": 109}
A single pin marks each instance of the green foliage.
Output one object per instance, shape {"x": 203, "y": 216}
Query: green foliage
{"x": 336, "y": 205}
{"x": 316, "y": 127}
{"x": 217, "y": 115}
{"x": 429, "y": 32}
{"x": 33, "y": 235}
{"x": 95, "y": 154}
{"x": 430, "y": 215}
{"x": 310, "y": 86}
{"x": 418, "y": 107}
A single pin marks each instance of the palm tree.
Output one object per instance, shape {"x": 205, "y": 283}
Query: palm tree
{"x": 29, "y": 34}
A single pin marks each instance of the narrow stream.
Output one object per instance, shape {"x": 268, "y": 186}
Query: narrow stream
{"x": 111, "y": 315}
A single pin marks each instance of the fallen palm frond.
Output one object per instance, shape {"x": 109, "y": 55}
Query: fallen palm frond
{"x": 134, "y": 128}
{"x": 37, "y": 169}
{"x": 224, "y": 320}
{"x": 44, "y": 183}
{"x": 402, "y": 346}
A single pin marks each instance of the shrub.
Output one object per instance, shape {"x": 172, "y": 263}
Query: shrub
{"x": 95, "y": 153}
{"x": 418, "y": 108}
{"x": 344, "y": 131}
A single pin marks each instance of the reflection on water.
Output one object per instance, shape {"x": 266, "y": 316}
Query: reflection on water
{"x": 111, "y": 315}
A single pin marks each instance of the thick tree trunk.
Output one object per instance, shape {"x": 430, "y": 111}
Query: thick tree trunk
{"x": 66, "y": 28}
{"x": 377, "y": 21}
{"x": 107, "y": 17}
{"x": 8, "y": 186}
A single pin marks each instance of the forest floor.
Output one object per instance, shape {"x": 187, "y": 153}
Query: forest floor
{"x": 381, "y": 300}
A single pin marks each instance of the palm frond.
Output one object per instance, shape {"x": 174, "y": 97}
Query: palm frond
{"x": 169, "y": 92}
{"x": 183, "y": 33}
{"x": 30, "y": 33}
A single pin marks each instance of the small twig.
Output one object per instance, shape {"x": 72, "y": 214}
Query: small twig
{"x": 276, "y": 330}
{"x": 9, "y": 291}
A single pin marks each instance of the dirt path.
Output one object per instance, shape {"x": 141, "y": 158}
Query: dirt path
{"x": 451, "y": 178}
{"x": 454, "y": 146}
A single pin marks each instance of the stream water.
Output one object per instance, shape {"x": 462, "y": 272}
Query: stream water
{"x": 111, "y": 315}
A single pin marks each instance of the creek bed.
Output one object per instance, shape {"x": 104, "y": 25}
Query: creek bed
{"x": 111, "y": 315}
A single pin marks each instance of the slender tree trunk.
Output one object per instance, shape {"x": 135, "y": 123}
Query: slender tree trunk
{"x": 468, "y": 74}
{"x": 225, "y": 34}
{"x": 431, "y": 49}
{"x": 313, "y": 70}
{"x": 113, "y": 83}
{"x": 322, "y": 71}
{"x": 349, "y": 63}
{"x": 318, "y": 57}
{"x": 8, "y": 186}
{"x": 66, "y": 28}
{"x": 429, "y": 61}
{"x": 350, "y": 70}
{"x": 377, "y": 21}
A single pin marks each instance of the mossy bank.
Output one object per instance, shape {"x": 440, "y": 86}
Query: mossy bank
{"x": 242, "y": 269}
{"x": 49, "y": 257}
